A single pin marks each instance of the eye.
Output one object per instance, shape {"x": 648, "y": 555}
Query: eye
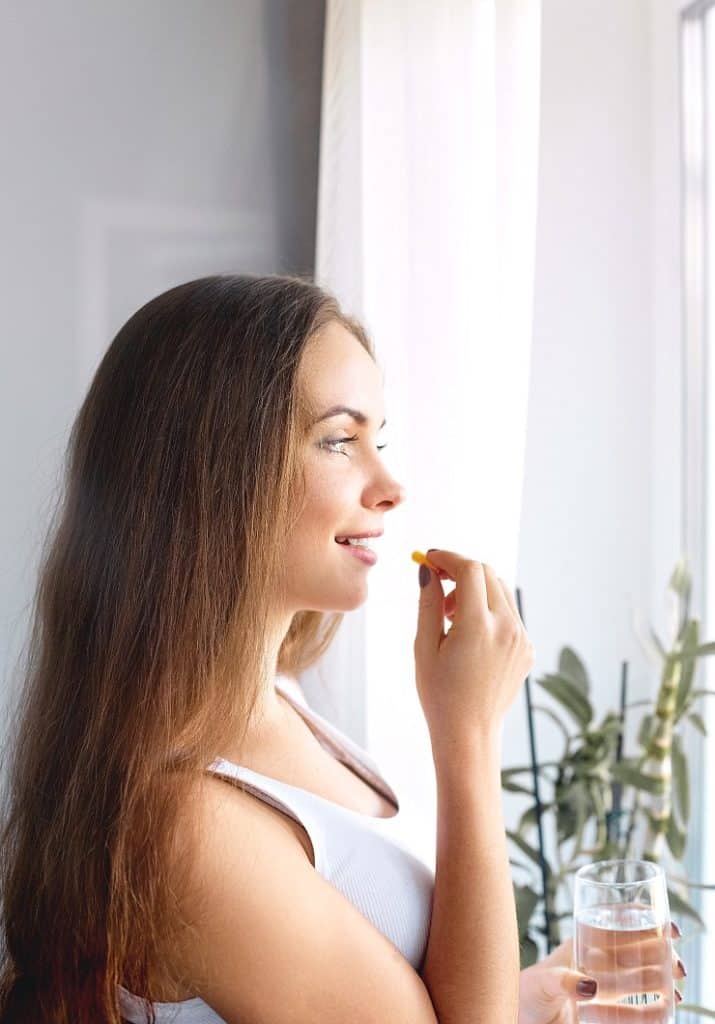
{"x": 334, "y": 444}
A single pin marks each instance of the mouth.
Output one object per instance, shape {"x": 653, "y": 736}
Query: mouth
{"x": 358, "y": 546}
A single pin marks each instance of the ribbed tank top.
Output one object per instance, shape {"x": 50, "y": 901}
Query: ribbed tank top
{"x": 364, "y": 857}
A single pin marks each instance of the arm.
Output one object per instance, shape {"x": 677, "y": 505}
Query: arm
{"x": 269, "y": 940}
{"x": 469, "y": 978}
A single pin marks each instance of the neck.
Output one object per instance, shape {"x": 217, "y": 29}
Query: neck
{"x": 270, "y": 708}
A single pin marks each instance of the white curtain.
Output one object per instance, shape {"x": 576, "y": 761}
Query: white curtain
{"x": 426, "y": 231}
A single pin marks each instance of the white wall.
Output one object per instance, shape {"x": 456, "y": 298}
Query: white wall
{"x": 602, "y": 514}
{"x": 585, "y": 525}
{"x": 601, "y": 510}
{"x": 586, "y": 518}
{"x": 143, "y": 144}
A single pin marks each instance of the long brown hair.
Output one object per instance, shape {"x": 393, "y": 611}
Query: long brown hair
{"x": 146, "y": 653}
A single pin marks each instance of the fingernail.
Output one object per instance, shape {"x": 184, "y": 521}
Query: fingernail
{"x": 586, "y": 987}
{"x": 678, "y": 996}
{"x": 424, "y": 575}
{"x": 431, "y": 549}
{"x": 681, "y": 965}
{"x": 676, "y": 930}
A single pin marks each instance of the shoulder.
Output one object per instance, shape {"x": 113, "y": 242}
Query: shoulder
{"x": 220, "y": 824}
{"x": 268, "y": 936}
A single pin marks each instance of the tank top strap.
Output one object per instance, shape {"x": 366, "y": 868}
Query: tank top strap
{"x": 339, "y": 745}
{"x": 290, "y": 800}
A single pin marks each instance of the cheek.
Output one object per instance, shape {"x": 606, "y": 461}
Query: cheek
{"x": 324, "y": 498}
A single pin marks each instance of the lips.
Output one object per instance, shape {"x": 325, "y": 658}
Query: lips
{"x": 358, "y": 536}
{"x": 359, "y": 551}
{"x": 363, "y": 554}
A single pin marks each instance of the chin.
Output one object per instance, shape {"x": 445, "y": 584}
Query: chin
{"x": 345, "y": 602}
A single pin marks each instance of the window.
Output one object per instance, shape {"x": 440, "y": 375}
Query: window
{"x": 698, "y": 180}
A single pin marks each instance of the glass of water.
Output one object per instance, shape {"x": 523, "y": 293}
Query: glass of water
{"x": 622, "y": 939}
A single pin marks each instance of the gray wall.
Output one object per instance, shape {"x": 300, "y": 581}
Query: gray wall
{"x": 143, "y": 144}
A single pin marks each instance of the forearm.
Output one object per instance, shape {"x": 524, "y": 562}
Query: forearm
{"x": 471, "y": 966}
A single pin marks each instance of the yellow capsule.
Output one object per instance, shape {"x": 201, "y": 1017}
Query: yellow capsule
{"x": 422, "y": 559}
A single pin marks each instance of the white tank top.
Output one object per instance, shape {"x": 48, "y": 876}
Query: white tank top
{"x": 362, "y": 856}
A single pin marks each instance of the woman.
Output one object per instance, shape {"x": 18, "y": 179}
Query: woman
{"x": 180, "y": 829}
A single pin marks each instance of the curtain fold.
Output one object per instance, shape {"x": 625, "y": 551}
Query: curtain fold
{"x": 426, "y": 231}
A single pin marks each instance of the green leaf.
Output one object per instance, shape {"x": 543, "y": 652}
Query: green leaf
{"x": 554, "y": 718}
{"x": 657, "y": 642}
{"x": 522, "y": 768}
{"x": 700, "y": 1011}
{"x": 627, "y": 773}
{"x": 691, "y": 885}
{"x": 574, "y": 810}
{"x": 573, "y": 669}
{"x": 702, "y": 693}
{"x": 676, "y": 838}
{"x": 680, "y": 906}
{"x": 529, "y": 819}
{"x": 528, "y": 952}
{"x": 569, "y": 696}
{"x": 698, "y": 722}
{"x": 681, "y": 782}
{"x": 658, "y": 826}
{"x": 648, "y": 639}
{"x": 526, "y": 902}
{"x": 526, "y": 848}
{"x": 680, "y": 581}
{"x": 689, "y": 643}
{"x": 700, "y": 652}
{"x": 681, "y": 584}
{"x": 647, "y": 728}
{"x": 514, "y": 787}
{"x": 610, "y": 726}
{"x": 517, "y": 863}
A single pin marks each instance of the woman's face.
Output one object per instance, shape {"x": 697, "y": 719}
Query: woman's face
{"x": 348, "y": 489}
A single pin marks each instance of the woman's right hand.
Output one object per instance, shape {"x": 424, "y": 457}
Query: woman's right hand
{"x": 468, "y": 677}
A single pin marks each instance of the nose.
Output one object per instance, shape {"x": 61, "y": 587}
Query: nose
{"x": 385, "y": 493}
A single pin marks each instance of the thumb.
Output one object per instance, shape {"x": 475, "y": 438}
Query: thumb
{"x": 430, "y": 618}
{"x": 574, "y": 984}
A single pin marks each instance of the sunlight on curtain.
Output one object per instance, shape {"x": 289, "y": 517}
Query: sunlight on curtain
{"x": 426, "y": 230}
{"x": 707, "y": 856}
{"x": 698, "y": 133}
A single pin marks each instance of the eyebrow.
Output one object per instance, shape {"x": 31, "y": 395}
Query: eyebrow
{"x": 340, "y": 410}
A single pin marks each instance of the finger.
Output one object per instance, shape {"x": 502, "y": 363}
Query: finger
{"x": 430, "y": 614}
{"x": 630, "y": 951}
{"x": 678, "y": 967}
{"x": 576, "y": 985}
{"x": 619, "y": 1013}
{"x": 498, "y": 603}
{"x": 442, "y": 573}
{"x": 450, "y": 604}
{"x": 562, "y": 956}
{"x": 675, "y": 930}
{"x": 617, "y": 984}
{"x": 511, "y": 601}
{"x": 470, "y": 585}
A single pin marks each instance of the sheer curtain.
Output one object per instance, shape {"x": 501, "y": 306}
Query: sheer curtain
{"x": 426, "y": 230}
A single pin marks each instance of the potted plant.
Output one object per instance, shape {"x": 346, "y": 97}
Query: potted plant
{"x": 597, "y": 802}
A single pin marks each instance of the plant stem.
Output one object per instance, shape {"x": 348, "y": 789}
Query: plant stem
{"x": 537, "y": 797}
{"x": 614, "y": 818}
{"x": 659, "y": 760}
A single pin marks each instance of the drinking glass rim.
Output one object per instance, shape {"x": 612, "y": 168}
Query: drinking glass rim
{"x": 658, "y": 872}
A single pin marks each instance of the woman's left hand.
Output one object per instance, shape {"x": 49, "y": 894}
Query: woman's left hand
{"x": 549, "y": 990}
